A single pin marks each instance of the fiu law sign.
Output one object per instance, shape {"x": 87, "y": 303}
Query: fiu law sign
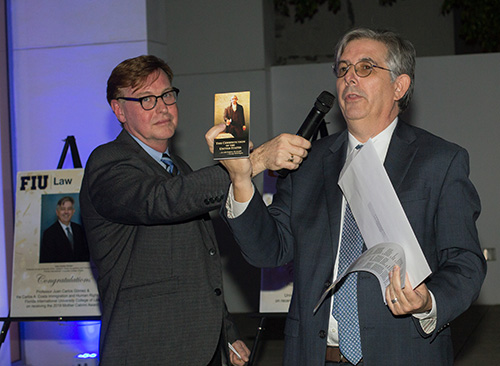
{"x": 34, "y": 182}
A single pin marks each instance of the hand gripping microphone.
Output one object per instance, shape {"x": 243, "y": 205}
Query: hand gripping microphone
{"x": 322, "y": 106}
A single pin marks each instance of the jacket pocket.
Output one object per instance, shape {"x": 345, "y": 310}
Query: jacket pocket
{"x": 147, "y": 290}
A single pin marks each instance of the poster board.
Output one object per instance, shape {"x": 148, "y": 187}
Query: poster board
{"x": 51, "y": 287}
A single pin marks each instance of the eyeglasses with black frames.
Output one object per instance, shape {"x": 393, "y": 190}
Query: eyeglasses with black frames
{"x": 362, "y": 68}
{"x": 149, "y": 101}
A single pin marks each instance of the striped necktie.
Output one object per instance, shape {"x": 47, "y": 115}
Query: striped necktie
{"x": 169, "y": 164}
{"x": 70, "y": 237}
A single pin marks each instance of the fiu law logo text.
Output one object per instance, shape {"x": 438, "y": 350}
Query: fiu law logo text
{"x": 34, "y": 182}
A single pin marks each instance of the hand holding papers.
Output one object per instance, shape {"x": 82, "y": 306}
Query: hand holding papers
{"x": 379, "y": 261}
{"x": 382, "y": 221}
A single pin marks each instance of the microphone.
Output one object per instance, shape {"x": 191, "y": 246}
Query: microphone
{"x": 322, "y": 106}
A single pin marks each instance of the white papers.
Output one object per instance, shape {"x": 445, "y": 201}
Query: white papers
{"x": 377, "y": 210}
{"x": 380, "y": 218}
{"x": 379, "y": 260}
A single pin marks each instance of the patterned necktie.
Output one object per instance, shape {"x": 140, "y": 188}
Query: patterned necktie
{"x": 345, "y": 301}
{"x": 169, "y": 164}
{"x": 70, "y": 237}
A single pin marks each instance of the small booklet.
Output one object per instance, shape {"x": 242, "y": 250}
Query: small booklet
{"x": 232, "y": 109}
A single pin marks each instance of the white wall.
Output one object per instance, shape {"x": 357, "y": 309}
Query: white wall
{"x": 63, "y": 52}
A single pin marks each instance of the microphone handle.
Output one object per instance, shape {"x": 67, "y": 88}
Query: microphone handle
{"x": 311, "y": 124}
{"x": 306, "y": 132}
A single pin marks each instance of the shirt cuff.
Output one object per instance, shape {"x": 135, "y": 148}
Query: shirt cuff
{"x": 428, "y": 320}
{"x": 233, "y": 207}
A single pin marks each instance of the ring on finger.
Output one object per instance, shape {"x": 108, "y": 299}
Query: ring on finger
{"x": 291, "y": 158}
{"x": 395, "y": 300}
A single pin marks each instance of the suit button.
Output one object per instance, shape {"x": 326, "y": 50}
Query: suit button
{"x": 322, "y": 334}
{"x": 218, "y": 292}
{"x": 206, "y": 201}
{"x": 212, "y": 251}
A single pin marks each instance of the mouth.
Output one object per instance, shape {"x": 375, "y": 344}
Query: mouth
{"x": 350, "y": 96}
{"x": 163, "y": 122}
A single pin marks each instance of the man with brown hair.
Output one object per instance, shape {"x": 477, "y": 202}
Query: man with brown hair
{"x": 146, "y": 216}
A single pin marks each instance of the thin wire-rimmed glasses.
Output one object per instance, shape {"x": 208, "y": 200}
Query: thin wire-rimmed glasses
{"x": 149, "y": 101}
{"x": 361, "y": 68}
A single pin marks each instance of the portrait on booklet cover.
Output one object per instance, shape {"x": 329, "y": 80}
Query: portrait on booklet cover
{"x": 232, "y": 109}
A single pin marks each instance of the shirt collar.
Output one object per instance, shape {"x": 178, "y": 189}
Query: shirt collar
{"x": 380, "y": 141}
{"x": 64, "y": 226}
{"x": 152, "y": 152}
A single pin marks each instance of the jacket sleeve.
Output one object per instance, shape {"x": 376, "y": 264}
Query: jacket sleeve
{"x": 133, "y": 190}
{"x": 461, "y": 266}
{"x": 263, "y": 233}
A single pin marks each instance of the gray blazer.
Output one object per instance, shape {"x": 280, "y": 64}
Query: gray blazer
{"x": 151, "y": 238}
{"x": 430, "y": 177}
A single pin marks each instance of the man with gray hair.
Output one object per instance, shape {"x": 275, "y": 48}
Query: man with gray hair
{"x": 310, "y": 221}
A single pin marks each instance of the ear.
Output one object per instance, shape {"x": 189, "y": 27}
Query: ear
{"x": 401, "y": 85}
{"x": 117, "y": 108}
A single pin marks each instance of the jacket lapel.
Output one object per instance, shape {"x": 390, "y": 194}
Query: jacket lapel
{"x": 332, "y": 165}
{"x": 400, "y": 154}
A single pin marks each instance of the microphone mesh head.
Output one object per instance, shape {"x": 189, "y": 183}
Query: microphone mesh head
{"x": 324, "y": 102}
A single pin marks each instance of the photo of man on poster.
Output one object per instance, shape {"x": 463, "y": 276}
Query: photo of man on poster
{"x": 64, "y": 240}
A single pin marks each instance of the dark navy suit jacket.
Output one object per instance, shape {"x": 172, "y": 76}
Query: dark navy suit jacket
{"x": 430, "y": 177}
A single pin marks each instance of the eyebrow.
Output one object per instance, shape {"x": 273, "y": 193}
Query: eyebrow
{"x": 369, "y": 59}
{"x": 149, "y": 93}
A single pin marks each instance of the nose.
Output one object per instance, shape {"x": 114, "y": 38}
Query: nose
{"x": 161, "y": 106}
{"x": 350, "y": 77}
